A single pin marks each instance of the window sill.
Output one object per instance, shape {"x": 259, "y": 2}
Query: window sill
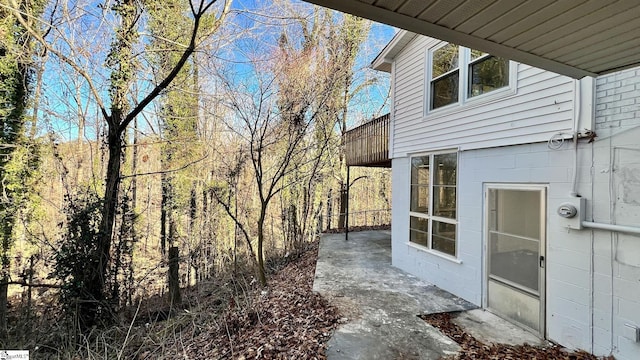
{"x": 435, "y": 253}
{"x": 471, "y": 103}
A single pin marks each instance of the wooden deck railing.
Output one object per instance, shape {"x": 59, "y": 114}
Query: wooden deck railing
{"x": 368, "y": 144}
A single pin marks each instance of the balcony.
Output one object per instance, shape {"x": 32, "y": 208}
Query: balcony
{"x": 368, "y": 144}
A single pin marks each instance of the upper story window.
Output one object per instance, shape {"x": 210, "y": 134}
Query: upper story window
{"x": 445, "y": 75}
{"x": 457, "y": 74}
{"x": 487, "y": 73}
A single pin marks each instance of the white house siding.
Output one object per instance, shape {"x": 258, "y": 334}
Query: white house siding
{"x": 593, "y": 276}
{"x": 461, "y": 279}
{"x": 542, "y": 105}
{"x": 568, "y": 264}
{"x": 616, "y": 199}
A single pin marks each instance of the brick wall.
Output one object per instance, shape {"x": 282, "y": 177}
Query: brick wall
{"x": 618, "y": 101}
{"x": 615, "y": 198}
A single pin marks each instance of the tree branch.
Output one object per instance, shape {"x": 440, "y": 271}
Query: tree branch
{"x": 179, "y": 65}
{"x": 15, "y": 9}
{"x": 164, "y": 171}
{"x": 25, "y": 284}
{"x": 227, "y": 209}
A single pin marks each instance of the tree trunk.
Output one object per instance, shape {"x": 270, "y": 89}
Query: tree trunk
{"x": 174, "y": 279}
{"x": 4, "y": 288}
{"x": 164, "y": 205}
{"x": 134, "y": 167}
{"x": 205, "y": 238}
{"x": 29, "y": 290}
{"x": 293, "y": 227}
{"x": 329, "y": 210}
{"x": 211, "y": 238}
{"x": 5, "y": 259}
{"x": 236, "y": 230}
{"x": 261, "y": 273}
{"x": 95, "y": 288}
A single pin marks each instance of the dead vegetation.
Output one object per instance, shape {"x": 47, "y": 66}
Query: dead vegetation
{"x": 231, "y": 317}
{"x": 475, "y": 349}
{"x": 285, "y": 321}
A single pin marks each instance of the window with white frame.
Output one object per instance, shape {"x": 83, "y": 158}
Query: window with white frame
{"x": 457, "y": 74}
{"x": 445, "y": 76}
{"x": 433, "y": 202}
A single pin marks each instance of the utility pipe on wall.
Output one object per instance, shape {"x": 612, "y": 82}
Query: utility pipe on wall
{"x": 612, "y": 227}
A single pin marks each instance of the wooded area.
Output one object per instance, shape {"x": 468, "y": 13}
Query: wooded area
{"x": 151, "y": 146}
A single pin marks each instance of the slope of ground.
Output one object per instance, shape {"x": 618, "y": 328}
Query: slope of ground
{"x": 285, "y": 321}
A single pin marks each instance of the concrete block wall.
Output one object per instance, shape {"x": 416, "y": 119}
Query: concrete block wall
{"x": 568, "y": 253}
{"x": 616, "y": 199}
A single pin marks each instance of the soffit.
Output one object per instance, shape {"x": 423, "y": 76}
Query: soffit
{"x": 576, "y": 38}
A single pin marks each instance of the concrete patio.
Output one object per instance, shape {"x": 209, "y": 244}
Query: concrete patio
{"x": 380, "y": 304}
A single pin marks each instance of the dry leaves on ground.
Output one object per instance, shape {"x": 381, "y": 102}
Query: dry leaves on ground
{"x": 474, "y": 349}
{"x": 286, "y": 321}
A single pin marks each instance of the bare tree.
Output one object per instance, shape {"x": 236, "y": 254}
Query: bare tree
{"x": 285, "y": 116}
{"x": 272, "y": 145}
{"x": 335, "y": 42}
{"x": 122, "y": 64}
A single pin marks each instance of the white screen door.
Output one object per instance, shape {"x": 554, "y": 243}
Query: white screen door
{"x": 515, "y": 253}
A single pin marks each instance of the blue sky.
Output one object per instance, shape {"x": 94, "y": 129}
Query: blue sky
{"x": 367, "y": 103}
{"x": 61, "y": 88}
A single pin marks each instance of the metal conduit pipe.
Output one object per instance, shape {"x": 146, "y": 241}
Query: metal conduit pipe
{"x": 612, "y": 227}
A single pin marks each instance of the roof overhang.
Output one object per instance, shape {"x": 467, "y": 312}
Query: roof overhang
{"x": 576, "y": 38}
{"x": 383, "y": 61}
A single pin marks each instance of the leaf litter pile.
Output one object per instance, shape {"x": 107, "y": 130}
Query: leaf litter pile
{"x": 475, "y": 349}
{"x": 286, "y": 321}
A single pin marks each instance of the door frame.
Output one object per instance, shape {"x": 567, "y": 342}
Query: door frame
{"x": 544, "y": 190}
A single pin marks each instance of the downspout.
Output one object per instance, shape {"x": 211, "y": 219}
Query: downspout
{"x": 613, "y": 237}
{"x": 577, "y": 107}
{"x": 577, "y": 104}
{"x": 592, "y": 257}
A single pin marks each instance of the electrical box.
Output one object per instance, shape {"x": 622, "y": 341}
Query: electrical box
{"x": 567, "y": 210}
{"x": 631, "y": 332}
{"x": 572, "y": 213}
